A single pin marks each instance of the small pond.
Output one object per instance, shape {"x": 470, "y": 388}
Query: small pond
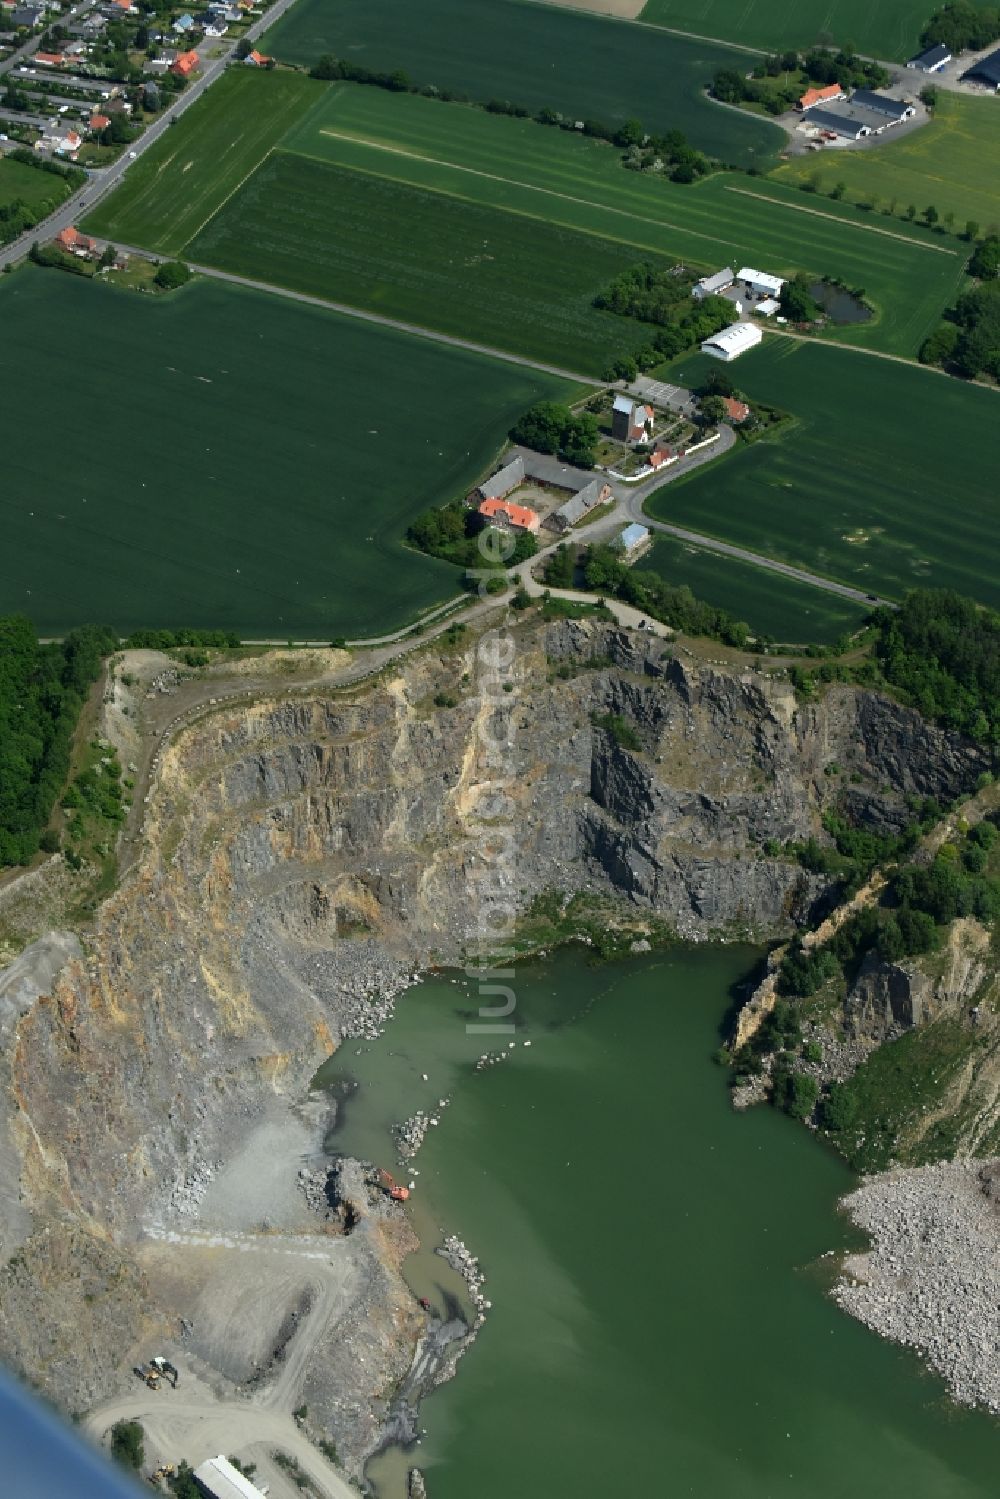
{"x": 839, "y": 304}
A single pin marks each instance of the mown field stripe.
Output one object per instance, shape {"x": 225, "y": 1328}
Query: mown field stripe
{"x": 832, "y": 218}
{"x": 532, "y": 187}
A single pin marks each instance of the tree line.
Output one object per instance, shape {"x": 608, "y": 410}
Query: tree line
{"x": 967, "y": 342}
{"x": 661, "y": 296}
{"x": 42, "y": 689}
{"x": 962, "y": 27}
{"x": 820, "y": 67}
{"x": 644, "y": 148}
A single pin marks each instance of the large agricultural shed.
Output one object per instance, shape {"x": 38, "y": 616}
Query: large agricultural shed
{"x": 733, "y": 341}
{"x": 986, "y": 70}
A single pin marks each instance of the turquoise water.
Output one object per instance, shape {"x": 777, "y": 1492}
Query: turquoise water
{"x": 659, "y": 1322}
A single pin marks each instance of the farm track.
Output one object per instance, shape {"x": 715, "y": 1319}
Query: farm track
{"x": 817, "y": 213}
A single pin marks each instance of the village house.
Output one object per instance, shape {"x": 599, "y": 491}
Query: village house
{"x": 97, "y": 123}
{"x": 60, "y": 140}
{"x": 502, "y": 482}
{"x": 597, "y": 492}
{"x": 508, "y": 516}
{"x": 50, "y": 59}
{"x": 662, "y": 458}
{"x": 737, "y": 411}
{"x": 184, "y": 64}
{"x": 256, "y": 60}
{"x": 28, "y": 16}
{"x": 184, "y": 23}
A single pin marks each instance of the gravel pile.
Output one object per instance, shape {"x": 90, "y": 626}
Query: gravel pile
{"x": 932, "y": 1277}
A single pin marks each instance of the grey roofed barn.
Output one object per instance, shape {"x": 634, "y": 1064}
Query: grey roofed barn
{"x": 504, "y": 480}
{"x": 577, "y": 506}
{"x": 894, "y": 109}
{"x": 825, "y": 119}
{"x": 932, "y": 59}
{"x": 987, "y": 69}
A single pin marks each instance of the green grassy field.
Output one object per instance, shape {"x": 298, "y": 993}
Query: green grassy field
{"x": 36, "y": 188}
{"x": 887, "y": 481}
{"x": 461, "y": 268}
{"x": 909, "y": 274}
{"x": 181, "y": 180}
{"x": 890, "y": 30}
{"x": 514, "y": 170}
{"x": 534, "y": 55}
{"x": 247, "y": 463}
{"x": 953, "y": 162}
{"x": 789, "y": 612}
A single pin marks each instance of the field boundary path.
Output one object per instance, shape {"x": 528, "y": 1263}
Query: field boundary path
{"x": 907, "y": 239}
{"x": 345, "y": 310}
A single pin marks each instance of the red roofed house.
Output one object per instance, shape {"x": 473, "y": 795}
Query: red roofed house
{"x": 737, "y": 411}
{"x": 50, "y": 59}
{"x": 124, "y": 4}
{"x": 641, "y": 424}
{"x": 99, "y": 122}
{"x": 514, "y": 517}
{"x": 76, "y": 243}
{"x": 662, "y": 456}
{"x": 184, "y": 64}
{"x": 821, "y": 95}
{"x": 256, "y": 60}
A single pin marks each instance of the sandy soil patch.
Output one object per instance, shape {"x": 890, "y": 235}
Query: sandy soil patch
{"x": 625, "y": 10}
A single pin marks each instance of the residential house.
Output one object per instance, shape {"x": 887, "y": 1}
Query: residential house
{"x": 736, "y": 411}
{"x": 733, "y": 341}
{"x": 931, "y": 61}
{"x": 256, "y": 60}
{"x": 117, "y": 106}
{"x": 510, "y": 517}
{"x": 713, "y": 286}
{"x": 621, "y": 417}
{"x": 76, "y": 243}
{"x": 184, "y": 64}
{"x": 27, "y": 15}
{"x": 503, "y": 481}
{"x": 597, "y": 492}
{"x": 59, "y": 139}
{"x": 814, "y": 96}
{"x": 759, "y": 283}
{"x": 97, "y": 123}
{"x": 633, "y": 539}
{"x": 216, "y": 27}
{"x": 641, "y": 424}
{"x": 50, "y": 59}
{"x": 662, "y": 458}
{"x": 183, "y": 23}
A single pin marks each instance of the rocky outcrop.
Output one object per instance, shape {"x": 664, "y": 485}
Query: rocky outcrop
{"x": 887, "y": 998}
{"x": 305, "y": 857}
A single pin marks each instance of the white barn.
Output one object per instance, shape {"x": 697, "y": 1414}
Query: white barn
{"x": 713, "y": 286}
{"x": 759, "y": 283}
{"x": 733, "y": 341}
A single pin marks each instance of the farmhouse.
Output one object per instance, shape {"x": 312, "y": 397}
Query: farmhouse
{"x": 713, "y": 286}
{"x": 217, "y": 1478}
{"x": 813, "y": 96}
{"x": 503, "y": 481}
{"x": 508, "y": 516}
{"x": 737, "y": 411}
{"x": 986, "y": 70}
{"x": 633, "y": 539}
{"x": 733, "y": 341}
{"x": 865, "y": 113}
{"x": 759, "y": 283}
{"x": 932, "y": 60}
{"x": 76, "y": 243}
{"x": 594, "y": 493}
{"x": 184, "y": 64}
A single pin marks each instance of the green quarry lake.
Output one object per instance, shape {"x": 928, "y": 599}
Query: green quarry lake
{"x": 655, "y": 1262}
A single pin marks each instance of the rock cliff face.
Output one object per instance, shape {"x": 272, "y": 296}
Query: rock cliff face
{"x": 304, "y": 857}
{"x": 887, "y": 998}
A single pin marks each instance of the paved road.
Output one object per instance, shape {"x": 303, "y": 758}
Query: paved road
{"x": 103, "y": 181}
